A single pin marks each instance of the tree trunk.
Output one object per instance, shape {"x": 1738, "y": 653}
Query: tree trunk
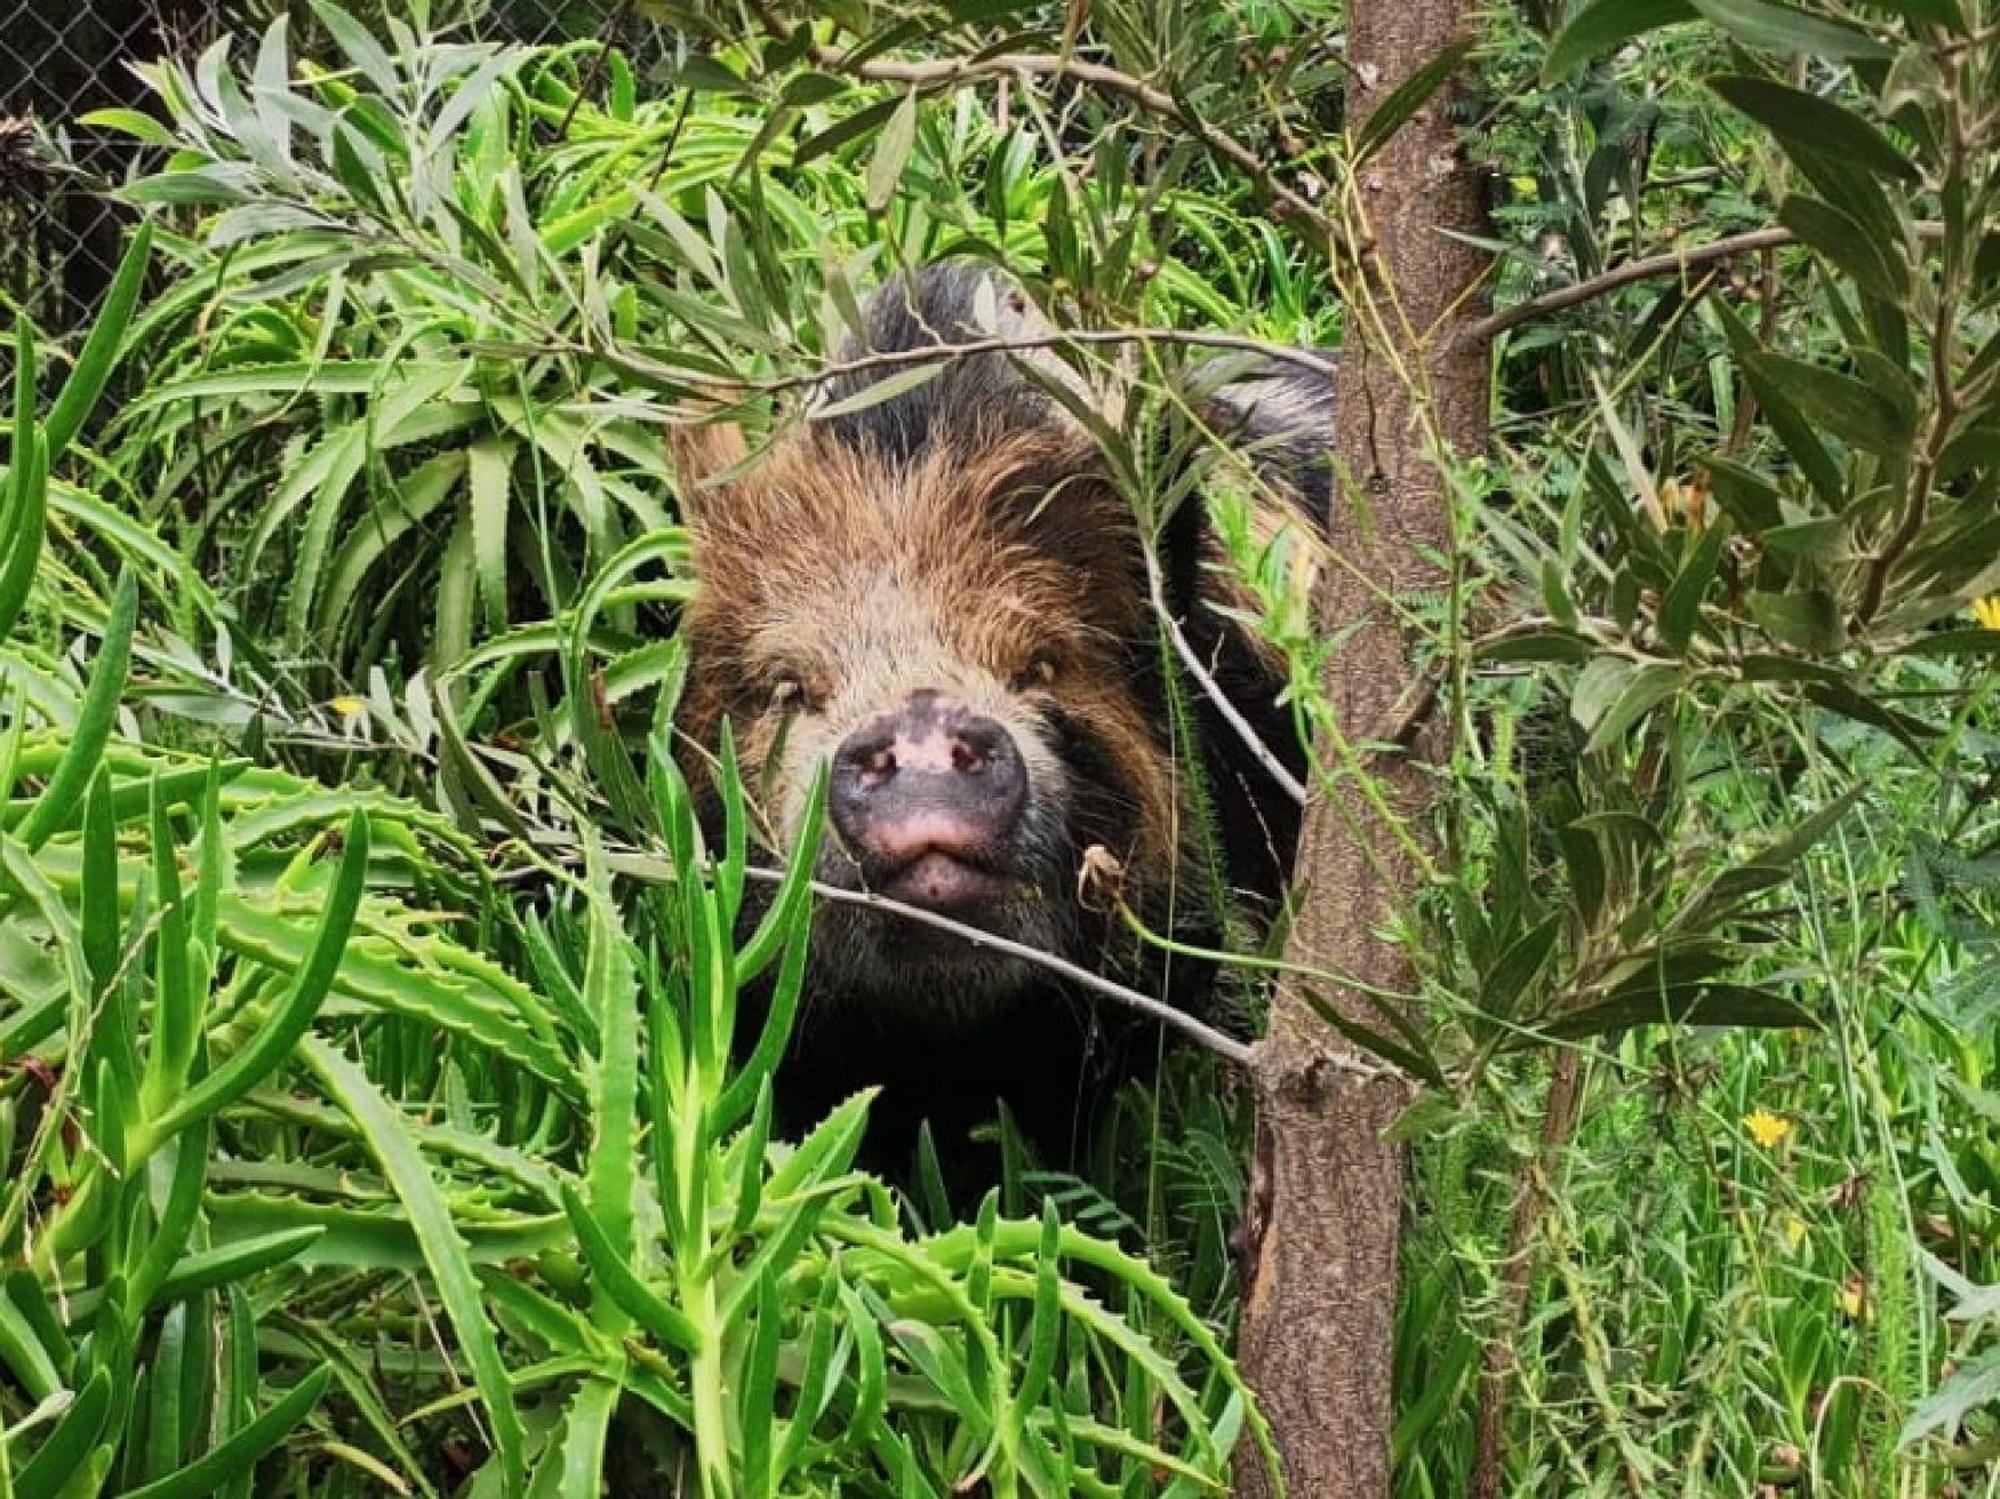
{"x": 1319, "y": 1313}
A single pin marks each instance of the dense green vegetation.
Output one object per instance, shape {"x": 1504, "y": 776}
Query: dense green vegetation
{"x": 366, "y": 996}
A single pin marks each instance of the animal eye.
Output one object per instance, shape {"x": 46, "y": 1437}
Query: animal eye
{"x": 1040, "y": 672}
{"x": 788, "y": 693}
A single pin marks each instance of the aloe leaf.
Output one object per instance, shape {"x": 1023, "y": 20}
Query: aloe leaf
{"x": 389, "y": 1141}
{"x": 94, "y": 719}
{"x": 274, "y": 1042}
{"x": 213, "y": 1469}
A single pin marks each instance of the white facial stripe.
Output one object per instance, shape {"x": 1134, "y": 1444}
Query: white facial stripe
{"x": 890, "y": 647}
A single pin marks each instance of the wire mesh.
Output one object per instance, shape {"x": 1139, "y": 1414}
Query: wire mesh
{"x": 62, "y": 59}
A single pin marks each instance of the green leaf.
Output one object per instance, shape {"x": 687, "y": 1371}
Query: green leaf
{"x": 838, "y": 134}
{"x": 99, "y": 355}
{"x": 1800, "y": 442}
{"x": 489, "y": 466}
{"x": 1808, "y": 621}
{"x": 892, "y": 153}
{"x": 240, "y": 1453}
{"x": 67, "y": 1446}
{"x": 359, "y": 43}
{"x": 1709, "y": 1004}
{"x": 1681, "y": 604}
{"x": 94, "y": 719}
{"x": 875, "y": 392}
{"x": 273, "y": 1043}
{"x": 1405, "y": 100}
{"x": 1839, "y": 237}
{"x": 668, "y": 1325}
{"x": 1646, "y": 689}
{"x": 1605, "y": 24}
{"x": 1779, "y": 28}
{"x": 1973, "y": 1386}
{"x": 1857, "y": 413}
{"x": 388, "y": 1137}
{"x": 1812, "y": 125}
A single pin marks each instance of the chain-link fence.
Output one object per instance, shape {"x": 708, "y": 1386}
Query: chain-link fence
{"x": 62, "y": 59}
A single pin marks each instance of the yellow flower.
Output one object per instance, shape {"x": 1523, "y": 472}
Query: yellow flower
{"x": 1766, "y": 1128}
{"x": 1854, "y": 1300}
{"x": 1987, "y": 611}
{"x": 348, "y": 707}
{"x": 1795, "y": 1232}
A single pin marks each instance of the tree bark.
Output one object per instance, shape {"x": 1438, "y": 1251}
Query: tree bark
{"x": 1327, "y": 1187}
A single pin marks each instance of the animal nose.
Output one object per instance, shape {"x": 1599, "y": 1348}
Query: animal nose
{"x": 925, "y": 792}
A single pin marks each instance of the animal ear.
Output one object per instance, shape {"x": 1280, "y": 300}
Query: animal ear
{"x": 703, "y": 449}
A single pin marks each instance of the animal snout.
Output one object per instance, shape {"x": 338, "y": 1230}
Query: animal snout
{"x": 926, "y": 796}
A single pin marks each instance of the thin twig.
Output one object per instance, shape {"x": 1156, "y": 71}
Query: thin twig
{"x": 1153, "y": 101}
{"x": 1265, "y": 756}
{"x": 726, "y": 388}
{"x": 1225, "y": 1046}
{"x": 1669, "y": 264}
{"x": 1240, "y": 1053}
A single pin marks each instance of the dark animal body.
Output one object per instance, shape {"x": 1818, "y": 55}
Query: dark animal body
{"x": 943, "y": 597}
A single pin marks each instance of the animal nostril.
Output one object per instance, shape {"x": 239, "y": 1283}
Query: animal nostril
{"x": 879, "y": 766}
{"x": 966, "y": 759}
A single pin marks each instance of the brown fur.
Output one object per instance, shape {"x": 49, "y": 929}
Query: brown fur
{"x": 962, "y": 539}
{"x": 825, "y": 567}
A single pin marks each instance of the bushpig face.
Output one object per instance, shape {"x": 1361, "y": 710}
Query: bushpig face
{"x": 953, "y": 618}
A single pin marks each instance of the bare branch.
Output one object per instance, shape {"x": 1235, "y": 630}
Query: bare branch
{"x": 1672, "y": 263}
{"x": 1231, "y": 715}
{"x": 734, "y": 388}
{"x": 1240, "y": 1053}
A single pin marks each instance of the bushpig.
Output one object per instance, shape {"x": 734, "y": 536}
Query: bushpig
{"x": 943, "y": 597}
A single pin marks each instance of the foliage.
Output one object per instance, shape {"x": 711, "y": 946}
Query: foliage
{"x": 389, "y": 497}
{"x": 270, "y": 1116}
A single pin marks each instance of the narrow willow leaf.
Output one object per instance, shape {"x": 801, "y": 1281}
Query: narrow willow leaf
{"x": 1808, "y": 620}
{"x": 1603, "y": 25}
{"x": 850, "y": 128}
{"x": 1806, "y": 122}
{"x": 1709, "y": 1004}
{"x": 1649, "y": 686}
{"x": 1406, "y": 99}
{"x": 1681, "y": 605}
{"x": 892, "y": 153}
{"x": 876, "y": 392}
{"x": 1852, "y": 410}
{"x": 387, "y": 1134}
{"x": 360, "y": 45}
{"x": 1780, "y": 28}
{"x": 1876, "y": 265}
